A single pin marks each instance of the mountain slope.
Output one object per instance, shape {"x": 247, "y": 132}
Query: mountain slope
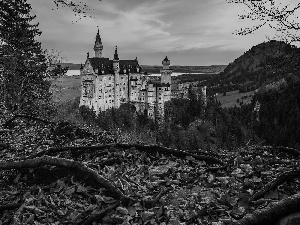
{"x": 265, "y": 62}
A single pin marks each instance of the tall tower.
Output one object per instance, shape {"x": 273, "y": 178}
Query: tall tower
{"x": 166, "y": 72}
{"x": 98, "y": 47}
{"x": 116, "y": 68}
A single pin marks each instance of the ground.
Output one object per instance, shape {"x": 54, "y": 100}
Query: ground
{"x": 56, "y": 173}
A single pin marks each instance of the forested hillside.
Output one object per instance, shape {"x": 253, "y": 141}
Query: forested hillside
{"x": 262, "y": 64}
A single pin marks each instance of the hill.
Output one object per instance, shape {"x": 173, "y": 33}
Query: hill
{"x": 263, "y": 63}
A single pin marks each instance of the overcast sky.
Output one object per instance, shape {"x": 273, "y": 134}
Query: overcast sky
{"x": 189, "y": 32}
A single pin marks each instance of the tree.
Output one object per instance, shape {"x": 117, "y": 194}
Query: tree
{"x": 53, "y": 60}
{"x": 21, "y": 58}
{"x": 281, "y": 17}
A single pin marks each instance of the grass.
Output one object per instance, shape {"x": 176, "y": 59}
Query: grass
{"x": 66, "y": 88}
{"x": 231, "y": 98}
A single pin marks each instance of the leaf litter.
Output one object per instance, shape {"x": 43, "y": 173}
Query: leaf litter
{"x": 166, "y": 189}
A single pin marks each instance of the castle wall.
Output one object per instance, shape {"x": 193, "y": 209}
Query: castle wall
{"x": 102, "y": 91}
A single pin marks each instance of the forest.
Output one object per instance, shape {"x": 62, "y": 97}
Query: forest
{"x": 201, "y": 164}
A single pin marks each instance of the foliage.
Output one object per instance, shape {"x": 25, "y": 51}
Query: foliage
{"x": 279, "y": 116}
{"x": 53, "y": 60}
{"x": 21, "y": 57}
{"x": 190, "y": 125}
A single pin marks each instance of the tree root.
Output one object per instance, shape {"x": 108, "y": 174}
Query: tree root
{"x": 273, "y": 212}
{"x": 4, "y": 146}
{"x": 179, "y": 153}
{"x": 148, "y": 148}
{"x": 287, "y": 150}
{"x": 76, "y": 150}
{"x": 4, "y": 131}
{"x": 151, "y": 203}
{"x": 9, "y": 206}
{"x": 97, "y": 217}
{"x": 283, "y": 177}
{"x": 76, "y": 166}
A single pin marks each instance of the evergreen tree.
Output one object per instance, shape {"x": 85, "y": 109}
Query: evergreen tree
{"x": 23, "y": 64}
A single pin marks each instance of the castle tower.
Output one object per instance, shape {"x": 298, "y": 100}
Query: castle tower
{"x": 166, "y": 72}
{"x": 98, "y": 47}
{"x": 116, "y": 68}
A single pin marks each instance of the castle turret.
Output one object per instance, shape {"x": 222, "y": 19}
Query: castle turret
{"x": 98, "y": 47}
{"x": 116, "y": 67}
{"x": 166, "y": 72}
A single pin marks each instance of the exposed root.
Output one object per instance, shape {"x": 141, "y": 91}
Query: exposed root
{"x": 9, "y": 206}
{"x": 283, "y": 177}
{"x": 66, "y": 163}
{"x": 151, "y": 203}
{"x": 273, "y": 212}
{"x": 98, "y": 217}
{"x": 176, "y": 152}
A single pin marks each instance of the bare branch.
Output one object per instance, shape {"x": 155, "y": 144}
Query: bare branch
{"x": 280, "y": 17}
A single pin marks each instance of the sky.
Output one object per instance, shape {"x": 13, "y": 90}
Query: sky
{"x": 189, "y": 32}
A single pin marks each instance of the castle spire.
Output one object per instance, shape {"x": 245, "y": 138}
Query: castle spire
{"x": 116, "y": 56}
{"x": 98, "y": 47}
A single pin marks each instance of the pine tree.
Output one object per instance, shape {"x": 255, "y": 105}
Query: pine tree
{"x": 22, "y": 61}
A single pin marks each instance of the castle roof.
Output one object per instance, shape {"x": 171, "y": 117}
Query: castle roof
{"x": 107, "y": 64}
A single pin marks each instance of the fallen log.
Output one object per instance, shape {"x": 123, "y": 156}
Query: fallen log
{"x": 273, "y": 213}
{"x": 280, "y": 179}
{"x": 175, "y": 152}
{"x": 66, "y": 163}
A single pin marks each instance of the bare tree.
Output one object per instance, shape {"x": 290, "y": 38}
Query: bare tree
{"x": 277, "y": 14}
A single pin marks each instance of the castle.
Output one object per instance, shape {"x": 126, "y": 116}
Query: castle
{"x": 107, "y": 84}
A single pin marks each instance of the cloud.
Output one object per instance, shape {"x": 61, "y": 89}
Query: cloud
{"x": 147, "y": 28}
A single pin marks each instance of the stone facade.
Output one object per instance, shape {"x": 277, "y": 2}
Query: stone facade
{"x": 107, "y": 84}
